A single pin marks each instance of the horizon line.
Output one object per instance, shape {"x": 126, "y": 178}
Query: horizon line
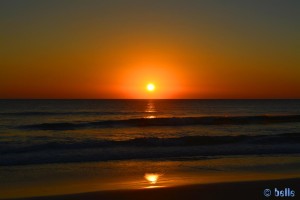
{"x": 149, "y": 99}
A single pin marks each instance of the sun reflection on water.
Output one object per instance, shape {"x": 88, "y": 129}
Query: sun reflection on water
{"x": 150, "y": 108}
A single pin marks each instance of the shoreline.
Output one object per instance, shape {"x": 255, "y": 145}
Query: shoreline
{"x": 210, "y": 191}
{"x": 129, "y": 177}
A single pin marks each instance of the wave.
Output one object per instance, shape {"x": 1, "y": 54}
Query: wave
{"x": 149, "y": 148}
{"x": 173, "y": 121}
{"x": 45, "y": 113}
{"x": 154, "y": 142}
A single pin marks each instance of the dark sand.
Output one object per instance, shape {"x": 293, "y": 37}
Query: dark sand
{"x": 238, "y": 190}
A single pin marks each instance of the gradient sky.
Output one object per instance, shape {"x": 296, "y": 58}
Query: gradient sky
{"x": 113, "y": 48}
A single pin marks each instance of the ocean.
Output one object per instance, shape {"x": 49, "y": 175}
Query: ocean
{"x": 45, "y": 143}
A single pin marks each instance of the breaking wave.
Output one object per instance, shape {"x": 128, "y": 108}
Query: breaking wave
{"x": 173, "y": 121}
{"x": 148, "y": 148}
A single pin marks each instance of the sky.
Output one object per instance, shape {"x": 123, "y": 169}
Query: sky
{"x": 197, "y": 49}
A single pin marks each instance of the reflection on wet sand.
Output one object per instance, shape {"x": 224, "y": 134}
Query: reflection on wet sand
{"x": 152, "y": 178}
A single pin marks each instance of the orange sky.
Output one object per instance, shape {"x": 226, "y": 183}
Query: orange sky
{"x": 112, "y": 49}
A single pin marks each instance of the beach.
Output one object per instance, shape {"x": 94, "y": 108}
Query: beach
{"x": 237, "y": 190}
{"x": 134, "y": 178}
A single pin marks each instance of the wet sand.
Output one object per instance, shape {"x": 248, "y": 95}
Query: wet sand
{"x": 235, "y": 190}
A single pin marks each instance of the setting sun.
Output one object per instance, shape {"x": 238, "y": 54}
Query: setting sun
{"x": 150, "y": 87}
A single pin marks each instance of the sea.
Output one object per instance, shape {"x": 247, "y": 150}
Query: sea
{"x": 48, "y": 143}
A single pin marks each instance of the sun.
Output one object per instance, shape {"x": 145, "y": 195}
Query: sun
{"x": 150, "y": 87}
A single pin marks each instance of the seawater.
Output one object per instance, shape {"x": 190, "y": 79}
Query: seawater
{"x": 50, "y": 147}
{"x": 62, "y": 131}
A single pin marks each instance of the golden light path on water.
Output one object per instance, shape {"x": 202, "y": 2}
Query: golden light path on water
{"x": 150, "y": 108}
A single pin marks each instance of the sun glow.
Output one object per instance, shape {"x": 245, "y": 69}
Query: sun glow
{"x": 150, "y": 87}
{"x": 153, "y": 81}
